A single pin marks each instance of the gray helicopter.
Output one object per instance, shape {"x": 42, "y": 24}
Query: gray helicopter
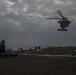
{"x": 64, "y": 22}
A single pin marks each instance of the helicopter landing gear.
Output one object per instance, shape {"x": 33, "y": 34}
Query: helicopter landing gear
{"x": 62, "y": 29}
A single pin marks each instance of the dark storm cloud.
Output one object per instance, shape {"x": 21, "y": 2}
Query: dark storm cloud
{"x": 22, "y": 22}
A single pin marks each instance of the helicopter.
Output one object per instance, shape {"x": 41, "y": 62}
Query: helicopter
{"x": 64, "y": 22}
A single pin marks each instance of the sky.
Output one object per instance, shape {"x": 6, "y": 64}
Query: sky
{"x": 23, "y": 23}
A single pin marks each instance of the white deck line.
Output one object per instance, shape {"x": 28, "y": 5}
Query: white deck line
{"x": 47, "y": 55}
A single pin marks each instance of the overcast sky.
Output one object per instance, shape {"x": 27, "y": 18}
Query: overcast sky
{"x": 22, "y": 22}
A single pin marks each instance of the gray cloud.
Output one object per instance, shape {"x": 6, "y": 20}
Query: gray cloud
{"x": 22, "y": 22}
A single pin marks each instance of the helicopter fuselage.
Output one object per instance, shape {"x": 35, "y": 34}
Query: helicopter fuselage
{"x": 64, "y": 23}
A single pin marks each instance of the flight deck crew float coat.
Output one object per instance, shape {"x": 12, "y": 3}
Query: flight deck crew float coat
{"x": 2, "y": 46}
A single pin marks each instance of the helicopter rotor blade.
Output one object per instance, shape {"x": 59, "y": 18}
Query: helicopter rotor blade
{"x": 60, "y": 13}
{"x": 53, "y": 18}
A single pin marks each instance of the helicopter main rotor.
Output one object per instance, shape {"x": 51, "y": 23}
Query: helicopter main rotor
{"x": 60, "y": 13}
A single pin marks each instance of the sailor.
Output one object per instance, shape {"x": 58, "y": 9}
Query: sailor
{"x": 2, "y": 46}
